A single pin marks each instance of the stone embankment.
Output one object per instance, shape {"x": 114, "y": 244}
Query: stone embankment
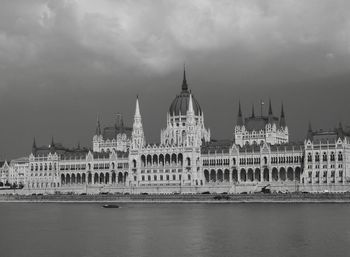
{"x": 166, "y": 198}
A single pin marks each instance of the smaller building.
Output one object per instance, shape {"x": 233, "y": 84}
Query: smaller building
{"x": 326, "y": 158}
{"x": 112, "y": 138}
{"x": 261, "y": 129}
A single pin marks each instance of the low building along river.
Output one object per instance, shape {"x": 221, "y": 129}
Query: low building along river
{"x": 187, "y": 160}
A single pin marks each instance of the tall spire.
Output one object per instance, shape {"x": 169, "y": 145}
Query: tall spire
{"x": 309, "y": 134}
{"x": 270, "y": 108}
{"x": 270, "y": 115}
{"x": 122, "y": 122}
{"x": 282, "y": 119}
{"x": 34, "y": 143}
{"x": 340, "y": 130}
{"x": 137, "y": 109}
{"x": 52, "y": 142}
{"x": 340, "y": 126}
{"x": 239, "y": 118}
{"x": 118, "y": 120}
{"x": 98, "y": 126}
{"x": 253, "y": 112}
{"x": 34, "y": 146}
{"x": 138, "y": 139}
{"x": 184, "y": 82}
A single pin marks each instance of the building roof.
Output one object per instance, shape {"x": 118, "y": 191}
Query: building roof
{"x": 327, "y": 136}
{"x": 181, "y": 102}
{"x": 218, "y": 146}
{"x": 257, "y": 123}
{"x": 57, "y": 148}
{"x": 112, "y": 132}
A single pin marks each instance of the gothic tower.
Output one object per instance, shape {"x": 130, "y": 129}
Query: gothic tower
{"x": 137, "y": 136}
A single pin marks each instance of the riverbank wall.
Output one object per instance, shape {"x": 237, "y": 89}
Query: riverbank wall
{"x": 248, "y": 188}
{"x": 178, "y": 198}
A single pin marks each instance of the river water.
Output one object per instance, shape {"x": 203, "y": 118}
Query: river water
{"x": 86, "y": 229}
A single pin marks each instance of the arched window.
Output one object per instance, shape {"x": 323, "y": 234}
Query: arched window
{"x": 188, "y": 161}
{"x": 309, "y": 157}
{"x": 149, "y": 160}
{"x": 317, "y": 157}
{"x": 340, "y": 156}
{"x": 324, "y": 157}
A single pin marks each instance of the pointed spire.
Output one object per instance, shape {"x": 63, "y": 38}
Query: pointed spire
{"x": 239, "y": 118}
{"x": 282, "y": 111}
{"x": 253, "y": 112}
{"x": 118, "y": 120}
{"x": 122, "y": 124}
{"x": 34, "y": 146}
{"x": 137, "y": 136}
{"x": 309, "y": 134}
{"x": 34, "y": 143}
{"x": 184, "y": 82}
{"x": 98, "y": 126}
{"x": 340, "y": 126}
{"x": 239, "y": 109}
{"x": 270, "y": 115}
{"x": 340, "y": 130}
{"x": 52, "y": 142}
{"x": 270, "y": 108}
{"x": 282, "y": 119}
{"x": 137, "y": 109}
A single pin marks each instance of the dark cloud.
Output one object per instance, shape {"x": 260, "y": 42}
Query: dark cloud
{"x": 62, "y": 62}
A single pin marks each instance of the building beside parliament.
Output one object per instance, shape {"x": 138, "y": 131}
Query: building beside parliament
{"x": 187, "y": 160}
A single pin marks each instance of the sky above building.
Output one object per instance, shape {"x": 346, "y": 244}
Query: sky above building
{"x": 62, "y": 63}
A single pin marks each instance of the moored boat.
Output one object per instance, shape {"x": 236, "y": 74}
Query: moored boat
{"x": 110, "y": 206}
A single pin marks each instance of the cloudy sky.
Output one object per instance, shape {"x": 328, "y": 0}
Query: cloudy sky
{"x": 63, "y": 62}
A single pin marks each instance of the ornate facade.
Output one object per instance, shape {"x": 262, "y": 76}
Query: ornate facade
{"x": 187, "y": 160}
{"x": 261, "y": 129}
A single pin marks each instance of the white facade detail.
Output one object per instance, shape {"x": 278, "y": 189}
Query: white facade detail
{"x": 187, "y": 160}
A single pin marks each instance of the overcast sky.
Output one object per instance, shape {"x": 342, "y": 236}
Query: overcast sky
{"x": 64, "y": 62}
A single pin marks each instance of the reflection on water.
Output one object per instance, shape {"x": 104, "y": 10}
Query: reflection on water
{"x": 174, "y": 230}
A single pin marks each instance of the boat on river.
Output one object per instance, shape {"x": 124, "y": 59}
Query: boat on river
{"x": 110, "y": 206}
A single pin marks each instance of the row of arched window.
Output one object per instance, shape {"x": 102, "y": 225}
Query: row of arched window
{"x": 325, "y": 156}
{"x": 216, "y": 162}
{"x": 163, "y": 177}
{"x": 286, "y": 159}
{"x": 162, "y": 160}
{"x": 44, "y": 185}
{"x": 43, "y": 166}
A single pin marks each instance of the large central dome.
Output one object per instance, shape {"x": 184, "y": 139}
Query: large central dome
{"x": 180, "y": 103}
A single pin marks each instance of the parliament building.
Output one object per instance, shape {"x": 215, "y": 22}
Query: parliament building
{"x": 187, "y": 160}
